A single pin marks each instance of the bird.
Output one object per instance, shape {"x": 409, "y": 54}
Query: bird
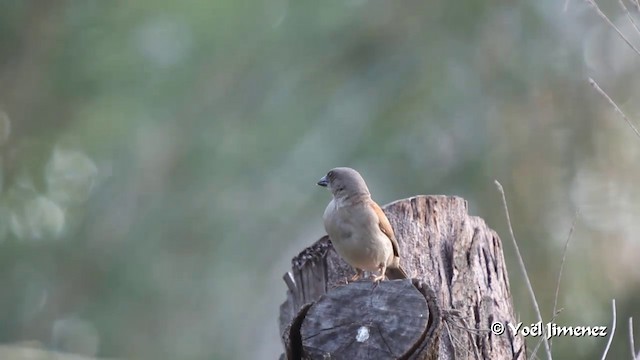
{"x": 358, "y": 228}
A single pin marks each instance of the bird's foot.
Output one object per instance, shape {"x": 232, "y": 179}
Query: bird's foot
{"x": 357, "y": 276}
{"x": 378, "y": 278}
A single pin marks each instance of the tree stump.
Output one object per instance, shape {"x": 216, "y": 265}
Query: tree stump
{"x": 459, "y": 287}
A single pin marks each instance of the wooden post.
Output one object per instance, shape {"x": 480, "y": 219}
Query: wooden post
{"x": 459, "y": 287}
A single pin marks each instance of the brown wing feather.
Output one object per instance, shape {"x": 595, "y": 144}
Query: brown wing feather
{"x": 385, "y": 226}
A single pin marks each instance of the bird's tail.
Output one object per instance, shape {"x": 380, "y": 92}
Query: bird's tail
{"x": 396, "y": 273}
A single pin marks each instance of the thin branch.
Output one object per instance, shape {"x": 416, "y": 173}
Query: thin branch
{"x": 553, "y": 319}
{"x": 633, "y": 346}
{"x": 613, "y": 330}
{"x": 637, "y": 5}
{"x": 453, "y": 344}
{"x": 470, "y": 330}
{"x": 606, "y": 18}
{"x": 533, "y": 356}
{"x": 453, "y": 315}
{"x": 564, "y": 257}
{"x": 556, "y": 311}
{"x": 626, "y": 11}
{"x": 457, "y": 344}
{"x": 523, "y": 268}
{"x": 595, "y": 85}
{"x": 471, "y": 339}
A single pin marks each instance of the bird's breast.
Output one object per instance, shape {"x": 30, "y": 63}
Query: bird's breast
{"x": 356, "y": 236}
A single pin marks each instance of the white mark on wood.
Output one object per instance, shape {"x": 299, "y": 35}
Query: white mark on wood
{"x": 363, "y": 334}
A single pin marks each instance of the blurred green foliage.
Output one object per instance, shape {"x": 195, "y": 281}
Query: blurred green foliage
{"x": 158, "y": 158}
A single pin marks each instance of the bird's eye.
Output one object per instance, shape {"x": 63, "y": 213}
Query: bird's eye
{"x": 330, "y": 174}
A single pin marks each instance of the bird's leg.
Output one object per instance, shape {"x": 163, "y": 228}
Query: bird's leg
{"x": 358, "y": 274}
{"x": 382, "y": 268}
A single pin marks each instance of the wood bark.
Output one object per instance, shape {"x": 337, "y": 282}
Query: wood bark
{"x": 459, "y": 287}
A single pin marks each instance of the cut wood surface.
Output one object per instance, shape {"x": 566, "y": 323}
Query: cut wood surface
{"x": 459, "y": 287}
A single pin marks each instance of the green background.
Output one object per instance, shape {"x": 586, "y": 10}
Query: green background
{"x": 159, "y": 158}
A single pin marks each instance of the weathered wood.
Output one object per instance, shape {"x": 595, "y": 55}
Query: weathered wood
{"x": 382, "y": 321}
{"x": 460, "y": 288}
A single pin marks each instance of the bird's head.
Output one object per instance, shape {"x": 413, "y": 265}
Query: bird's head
{"x": 344, "y": 182}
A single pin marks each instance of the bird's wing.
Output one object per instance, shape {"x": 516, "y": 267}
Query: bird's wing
{"x": 385, "y": 226}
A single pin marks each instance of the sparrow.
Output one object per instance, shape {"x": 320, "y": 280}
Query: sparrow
{"x": 359, "y": 230}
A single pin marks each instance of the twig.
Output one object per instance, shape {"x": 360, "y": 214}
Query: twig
{"x": 606, "y": 18}
{"x": 633, "y": 346}
{"x": 637, "y": 5}
{"x": 615, "y": 106}
{"x": 453, "y": 315}
{"x": 626, "y": 11}
{"x": 535, "y": 349}
{"x": 555, "y": 300}
{"x": 457, "y": 343}
{"x": 471, "y": 339}
{"x": 523, "y": 268}
{"x": 613, "y": 330}
{"x": 453, "y": 344}
{"x": 471, "y": 330}
{"x": 564, "y": 256}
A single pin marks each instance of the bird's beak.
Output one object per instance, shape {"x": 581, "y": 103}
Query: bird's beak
{"x": 323, "y": 182}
